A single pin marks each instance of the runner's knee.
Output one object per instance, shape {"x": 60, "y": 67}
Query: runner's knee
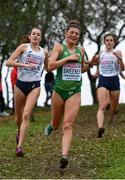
{"x": 67, "y": 126}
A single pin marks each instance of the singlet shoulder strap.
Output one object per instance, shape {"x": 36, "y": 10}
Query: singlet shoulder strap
{"x": 78, "y": 50}
{"x": 64, "y": 46}
{"x": 41, "y": 48}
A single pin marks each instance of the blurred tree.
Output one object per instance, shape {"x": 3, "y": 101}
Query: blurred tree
{"x": 96, "y": 18}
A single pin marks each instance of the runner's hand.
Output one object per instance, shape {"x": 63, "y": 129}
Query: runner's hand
{"x": 95, "y": 60}
{"x": 73, "y": 57}
{"x": 32, "y": 66}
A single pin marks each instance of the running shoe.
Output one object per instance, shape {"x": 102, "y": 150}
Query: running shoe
{"x": 48, "y": 130}
{"x": 4, "y": 114}
{"x": 101, "y": 132}
{"x": 19, "y": 151}
{"x": 17, "y": 137}
{"x": 63, "y": 162}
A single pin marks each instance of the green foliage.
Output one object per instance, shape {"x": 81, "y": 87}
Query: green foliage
{"x": 18, "y": 18}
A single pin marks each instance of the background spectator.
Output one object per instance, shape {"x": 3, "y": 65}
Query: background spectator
{"x": 2, "y": 103}
{"x": 49, "y": 83}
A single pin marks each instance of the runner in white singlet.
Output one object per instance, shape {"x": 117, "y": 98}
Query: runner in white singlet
{"x": 109, "y": 68}
{"x": 30, "y": 60}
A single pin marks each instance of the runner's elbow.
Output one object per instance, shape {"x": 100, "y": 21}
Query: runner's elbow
{"x": 51, "y": 66}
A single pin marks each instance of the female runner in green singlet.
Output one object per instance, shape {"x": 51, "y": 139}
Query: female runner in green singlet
{"x": 68, "y": 59}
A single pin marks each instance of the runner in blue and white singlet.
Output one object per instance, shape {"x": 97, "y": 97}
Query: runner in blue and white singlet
{"x": 109, "y": 68}
{"x": 30, "y": 60}
{"x": 108, "y": 65}
{"x": 28, "y": 57}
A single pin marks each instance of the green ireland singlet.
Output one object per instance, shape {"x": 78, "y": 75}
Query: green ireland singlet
{"x": 68, "y": 77}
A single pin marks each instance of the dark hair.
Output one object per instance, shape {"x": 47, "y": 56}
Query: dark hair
{"x": 114, "y": 37}
{"x": 35, "y": 28}
{"x": 73, "y": 23}
{"x": 24, "y": 39}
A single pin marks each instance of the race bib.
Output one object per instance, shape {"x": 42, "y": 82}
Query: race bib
{"x": 71, "y": 71}
{"x": 109, "y": 67}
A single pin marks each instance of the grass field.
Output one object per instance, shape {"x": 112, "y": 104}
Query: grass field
{"x": 89, "y": 157}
